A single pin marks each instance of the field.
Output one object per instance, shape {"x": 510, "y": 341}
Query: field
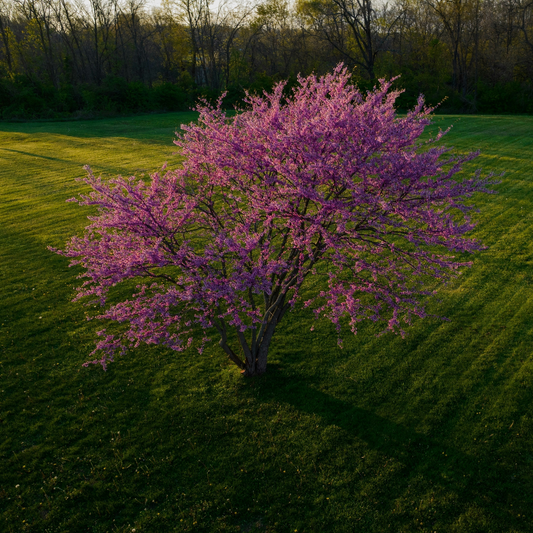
{"x": 433, "y": 432}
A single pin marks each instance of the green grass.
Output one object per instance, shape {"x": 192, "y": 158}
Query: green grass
{"x": 433, "y": 432}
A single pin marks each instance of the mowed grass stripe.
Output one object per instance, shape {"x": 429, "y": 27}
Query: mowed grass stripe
{"x": 433, "y": 432}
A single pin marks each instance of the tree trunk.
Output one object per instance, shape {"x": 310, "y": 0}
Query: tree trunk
{"x": 256, "y": 363}
{"x": 5, "y": 38}
{"x": 256, "y": 351}
{"x": 256, "y": 357}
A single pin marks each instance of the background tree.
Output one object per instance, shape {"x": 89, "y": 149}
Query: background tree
{"x": 39, "y": 46}
{"x": 525, "y": 25}
{"x": 276, "y": 49}
{"x": 59, "y": 57}
{"x": 357, "y": 29}
{"x": 172, "y": 42}
{"x": 6, "y": 35}
{"x": 461, "y": 20}
{"x": 325, "y": 199}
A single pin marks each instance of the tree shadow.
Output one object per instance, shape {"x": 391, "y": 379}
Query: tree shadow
{"x": 479, "y": 480}
{"x": 40, "y": 156}
{"x": 98, "y": 169}
{"x": 151, "y": 128}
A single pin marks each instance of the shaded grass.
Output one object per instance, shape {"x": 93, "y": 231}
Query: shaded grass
{"x": 433, "y": 432}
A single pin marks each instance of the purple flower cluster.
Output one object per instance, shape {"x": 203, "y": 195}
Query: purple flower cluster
{"x": 327, "y": 197}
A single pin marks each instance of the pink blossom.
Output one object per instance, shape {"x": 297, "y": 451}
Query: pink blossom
{"x": 327, "y": 193}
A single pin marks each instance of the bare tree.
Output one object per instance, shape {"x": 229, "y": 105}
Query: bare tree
{"x": 525, "y": 21}
{"x": 276, "y": 33}
{"x": 461, "y": 20}
{"x": 99, "y": 20}
{"x": 139, "y": 32}
{"x": 172, "y": 42}
{"x": 358, "y": 29}
{"x": 5, "y": 32}
{"x": 39, "y": 16}
{"x": 212, "y": 34}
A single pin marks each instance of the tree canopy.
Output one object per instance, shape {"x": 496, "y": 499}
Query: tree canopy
{"x": 325, "y": 198}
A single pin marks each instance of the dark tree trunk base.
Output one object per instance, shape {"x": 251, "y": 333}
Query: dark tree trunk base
{"x": 248, "y": 374}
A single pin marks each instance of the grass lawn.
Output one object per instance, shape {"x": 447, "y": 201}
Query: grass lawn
{"x": 433, "y": 432}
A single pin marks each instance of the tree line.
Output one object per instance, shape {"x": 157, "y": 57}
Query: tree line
{"x": 92, "y": 57}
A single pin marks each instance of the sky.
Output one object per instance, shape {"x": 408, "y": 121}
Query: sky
{"x": 152, "y": 3}
{"x": 157, "y": 3}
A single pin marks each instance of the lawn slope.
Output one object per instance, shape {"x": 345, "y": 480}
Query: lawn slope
{"x": 433, "y": 432}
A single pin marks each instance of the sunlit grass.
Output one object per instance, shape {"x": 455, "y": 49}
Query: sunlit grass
{"x": 433, "y": 432}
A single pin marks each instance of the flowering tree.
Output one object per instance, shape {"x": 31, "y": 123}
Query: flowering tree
{"x": 325, "y": 197}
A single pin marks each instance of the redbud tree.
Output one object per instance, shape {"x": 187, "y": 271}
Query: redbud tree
{"x": 325, "y": 197}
